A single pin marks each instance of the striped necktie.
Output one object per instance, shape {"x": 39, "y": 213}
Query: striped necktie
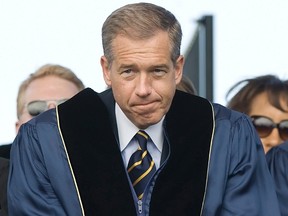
{"x": 141, "y": 166}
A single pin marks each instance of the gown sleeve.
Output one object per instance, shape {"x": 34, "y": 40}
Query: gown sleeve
{"x": 40, "y": 182}
{"x": 239, "y": 182}
{"x": 277, "y": 159}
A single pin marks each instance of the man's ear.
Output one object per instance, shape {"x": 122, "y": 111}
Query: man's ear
{"x": 17, "y": 126}
{"x": 105, "y": 70}
{"x": 179, "y": 69}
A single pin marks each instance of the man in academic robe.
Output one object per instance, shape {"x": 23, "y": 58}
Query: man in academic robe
{"x": 141, "y": 147}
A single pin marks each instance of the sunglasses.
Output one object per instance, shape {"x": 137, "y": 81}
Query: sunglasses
{"x": 36, "y": 107}
{"x": 265, "y": 125}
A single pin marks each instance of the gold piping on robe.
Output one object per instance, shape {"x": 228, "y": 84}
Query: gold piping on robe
{"x": 210, "y": 150}
{"x": 68, "y": 159}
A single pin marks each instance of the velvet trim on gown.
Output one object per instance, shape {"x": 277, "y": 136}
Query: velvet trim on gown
{"x": 90, "y": 138}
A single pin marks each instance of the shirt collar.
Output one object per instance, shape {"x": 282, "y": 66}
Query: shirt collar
{"x": 127, "y": 130}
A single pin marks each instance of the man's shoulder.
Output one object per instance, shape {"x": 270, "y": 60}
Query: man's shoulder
{"x": 184, "y": 101}
{"x": 188, "y": 104}
{"x": 223, "y": 113}
{"x": 85, "y": 103}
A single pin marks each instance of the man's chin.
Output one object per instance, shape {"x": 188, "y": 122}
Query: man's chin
{"x": 145, "y": 121}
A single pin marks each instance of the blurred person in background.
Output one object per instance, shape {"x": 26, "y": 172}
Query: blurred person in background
{"x": 49, "y": 86}
{"x": 265, "y": 100}
{"x": 186, "y": 85}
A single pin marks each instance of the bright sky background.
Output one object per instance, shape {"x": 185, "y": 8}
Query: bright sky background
{"x": 250, "y": 39}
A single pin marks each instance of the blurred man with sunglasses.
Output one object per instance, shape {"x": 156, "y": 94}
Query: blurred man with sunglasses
{"x": 48, "y": 87}
{"x": 265, "y": 100}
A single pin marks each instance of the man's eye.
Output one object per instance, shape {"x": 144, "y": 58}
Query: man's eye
{"x": 159, "y": 72}
{"x": 127, "y": 73}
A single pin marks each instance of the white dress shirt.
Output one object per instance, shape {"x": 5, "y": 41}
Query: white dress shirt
{"x": 128, "y": 145}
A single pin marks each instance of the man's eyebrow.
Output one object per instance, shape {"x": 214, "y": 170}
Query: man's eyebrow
{"x": 159, "y": 66}
{"x": 151, "y": 67}
{"x": 127, "y": 65}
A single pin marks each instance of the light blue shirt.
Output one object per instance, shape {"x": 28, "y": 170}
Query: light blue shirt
{"x": 128, "y": 145}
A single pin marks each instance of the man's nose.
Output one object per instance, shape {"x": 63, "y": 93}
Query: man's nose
{"x": 143, "y": 86}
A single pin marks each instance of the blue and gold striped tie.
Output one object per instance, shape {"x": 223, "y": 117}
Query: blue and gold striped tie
{"x": 141, "y": 166}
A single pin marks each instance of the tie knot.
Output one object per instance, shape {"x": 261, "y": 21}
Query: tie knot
{"x": 142, "y": 138}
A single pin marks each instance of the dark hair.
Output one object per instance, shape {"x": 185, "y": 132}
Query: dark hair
{"x": 275, "y": 88}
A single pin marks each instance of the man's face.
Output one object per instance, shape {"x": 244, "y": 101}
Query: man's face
{"x": 50, "y": 89}
{"x": 143, "y": 77}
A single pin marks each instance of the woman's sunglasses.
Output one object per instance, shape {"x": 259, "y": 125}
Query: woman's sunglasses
{"x": 265, "y": 125}
{"x": 36, "y": 107}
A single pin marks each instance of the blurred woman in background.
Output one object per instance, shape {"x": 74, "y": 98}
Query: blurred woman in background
{"x": 265, "y": 100}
